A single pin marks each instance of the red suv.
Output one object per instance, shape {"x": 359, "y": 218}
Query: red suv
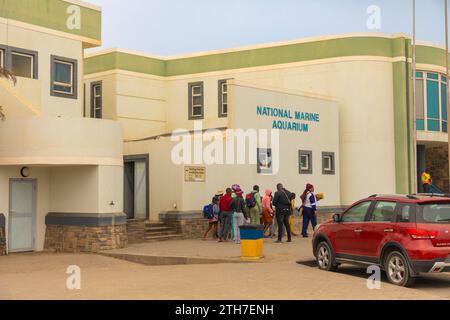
{"x": 404, "y": 235}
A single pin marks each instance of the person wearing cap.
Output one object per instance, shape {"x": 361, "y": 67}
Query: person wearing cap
{"x": 309, "y": 206}
{"x": 239, "y": 210}
{"x": 225, "y": 215}
{"x": 234, "y": 187}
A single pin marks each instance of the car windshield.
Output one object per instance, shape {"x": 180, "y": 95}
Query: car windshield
{"x": 434, "y": 213}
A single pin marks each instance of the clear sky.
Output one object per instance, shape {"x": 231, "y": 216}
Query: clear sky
{"x": 166, "y": 27}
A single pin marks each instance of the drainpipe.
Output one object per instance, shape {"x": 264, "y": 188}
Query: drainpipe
{"x": 414, "y": 189}
{"x": 447, "y": 66}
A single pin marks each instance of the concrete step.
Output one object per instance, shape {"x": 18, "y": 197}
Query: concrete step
{"x": 152, "y": 228}
{"x": 163, "y": 238}
{"x": 160, "y": 233}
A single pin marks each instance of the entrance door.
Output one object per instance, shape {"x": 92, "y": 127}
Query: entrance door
{"x": 136, "y": 183}
{"x": 22, "y": 215}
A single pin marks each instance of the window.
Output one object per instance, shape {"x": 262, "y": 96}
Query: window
{"x": 431, "y": 102}
{"x": 264, "y": 160}
{"x": 434, "y": 213}
{"x": 405, "y": 213}
{"x": 96, "y": 100}
{"x": 2, "y": 58}
{"x": 357, "y": 213}
{"x": 195, "y": 100}
{"x": 223, "y": 98}
{"x": 420, "y": 105}
{"x": 63, "y": 77}
{"x": 328, "y": 166}
{"x": 383, "y": 211}
{"x": 305, "y": 162}
{"x": 23, "y": 64}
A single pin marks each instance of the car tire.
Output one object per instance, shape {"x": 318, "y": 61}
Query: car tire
{"x": 325, "y": 257}
{"x": 397, "y": 269}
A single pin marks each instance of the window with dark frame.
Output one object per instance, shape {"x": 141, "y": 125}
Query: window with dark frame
{"x": 2, "y": 58}
{"x": 22, "y": 62}
{"x": 96, "y": 100}
{"x": 264, "y": 161}
{"x": 305, "y": 162}
{"x": 64, "y": 77}
{"x": 223, "y": 98}
{"x": 196, "y": 101}
{"x": 328, "y": 163}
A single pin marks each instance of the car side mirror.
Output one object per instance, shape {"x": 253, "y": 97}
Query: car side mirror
{"x": 337, "y": 218}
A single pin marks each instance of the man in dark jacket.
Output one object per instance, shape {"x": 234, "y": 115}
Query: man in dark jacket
{"x": 282, "y": 203}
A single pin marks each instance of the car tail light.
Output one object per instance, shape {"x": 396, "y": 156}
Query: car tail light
{"x": 420, "y": 234}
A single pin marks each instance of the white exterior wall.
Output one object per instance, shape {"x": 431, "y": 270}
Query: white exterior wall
{"x": 363, "y": 89}
{"x": 46, "y": 45}
{"x": 137, "y": 102}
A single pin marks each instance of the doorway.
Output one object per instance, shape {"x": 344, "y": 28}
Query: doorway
{"x": 22, "y": 215}
{"x": 136, "y": 186}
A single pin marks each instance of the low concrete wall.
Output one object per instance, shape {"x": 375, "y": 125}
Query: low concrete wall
{"x": 76, "y": 232}
{"x": 191, "y": 225}
{"x": 2, "y": 235}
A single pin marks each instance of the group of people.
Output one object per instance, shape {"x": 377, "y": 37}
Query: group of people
{"x": 230, "y": 210}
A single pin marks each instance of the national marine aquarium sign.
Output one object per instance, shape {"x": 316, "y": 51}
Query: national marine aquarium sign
{"x": 286, "y": 119}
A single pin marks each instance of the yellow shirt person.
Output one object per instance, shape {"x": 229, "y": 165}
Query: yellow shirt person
{"x": 426, "y": 181}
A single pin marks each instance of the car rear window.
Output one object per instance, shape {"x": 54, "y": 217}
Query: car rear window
{"x": 434, "y": 213}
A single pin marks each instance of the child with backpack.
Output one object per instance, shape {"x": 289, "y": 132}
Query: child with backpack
{"x": 211, "y": 212}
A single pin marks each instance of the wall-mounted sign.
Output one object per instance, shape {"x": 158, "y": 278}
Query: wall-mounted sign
{"x": 194, "y": 174}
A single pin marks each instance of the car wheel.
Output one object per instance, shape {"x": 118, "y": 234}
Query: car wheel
{"x": 397, "y": 270}
{"x": 325, "y": 257}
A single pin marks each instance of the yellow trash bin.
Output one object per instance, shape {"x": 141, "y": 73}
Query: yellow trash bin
{"x": 252, "y": 241}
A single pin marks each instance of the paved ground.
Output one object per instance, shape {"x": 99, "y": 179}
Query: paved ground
{"x": 287, "y": 273}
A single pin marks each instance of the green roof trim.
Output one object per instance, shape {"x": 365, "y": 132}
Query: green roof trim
{"x": 53, "y": 14}
{"x": 297, "y": 52}
{"x": 124, "y": 61}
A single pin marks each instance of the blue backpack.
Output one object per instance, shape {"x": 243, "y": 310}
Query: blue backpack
{"x": 208, "y": 212}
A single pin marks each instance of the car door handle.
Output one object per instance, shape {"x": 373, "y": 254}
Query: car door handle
{"x": 358, "y": 230}
{"x": 389, "y": 230}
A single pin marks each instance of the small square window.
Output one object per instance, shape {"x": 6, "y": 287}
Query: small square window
{"x": 328, "y": 163}
{"x": 63, "y": 77}
{"x": 305, "y": 162}
{"x": 22, "y": 64}
{"x": 264, "y": 161}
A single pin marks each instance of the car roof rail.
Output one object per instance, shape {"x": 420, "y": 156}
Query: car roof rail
{"x": 440, "y": 195}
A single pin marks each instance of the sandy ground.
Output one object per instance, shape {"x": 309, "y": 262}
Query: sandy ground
{"x": 288, "y": 272}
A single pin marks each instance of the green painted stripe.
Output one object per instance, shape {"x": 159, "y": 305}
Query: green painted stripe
{"x": 400, "y": 128}
{"x": 124, "y": 61}
{"x": 52, "y": 14}
{"x": 333, "y": 48}
{"x": 355, "y": 46}
{"x": 430, "y": 55}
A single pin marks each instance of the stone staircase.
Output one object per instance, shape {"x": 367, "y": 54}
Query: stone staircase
{"x": 158, "y": 231}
